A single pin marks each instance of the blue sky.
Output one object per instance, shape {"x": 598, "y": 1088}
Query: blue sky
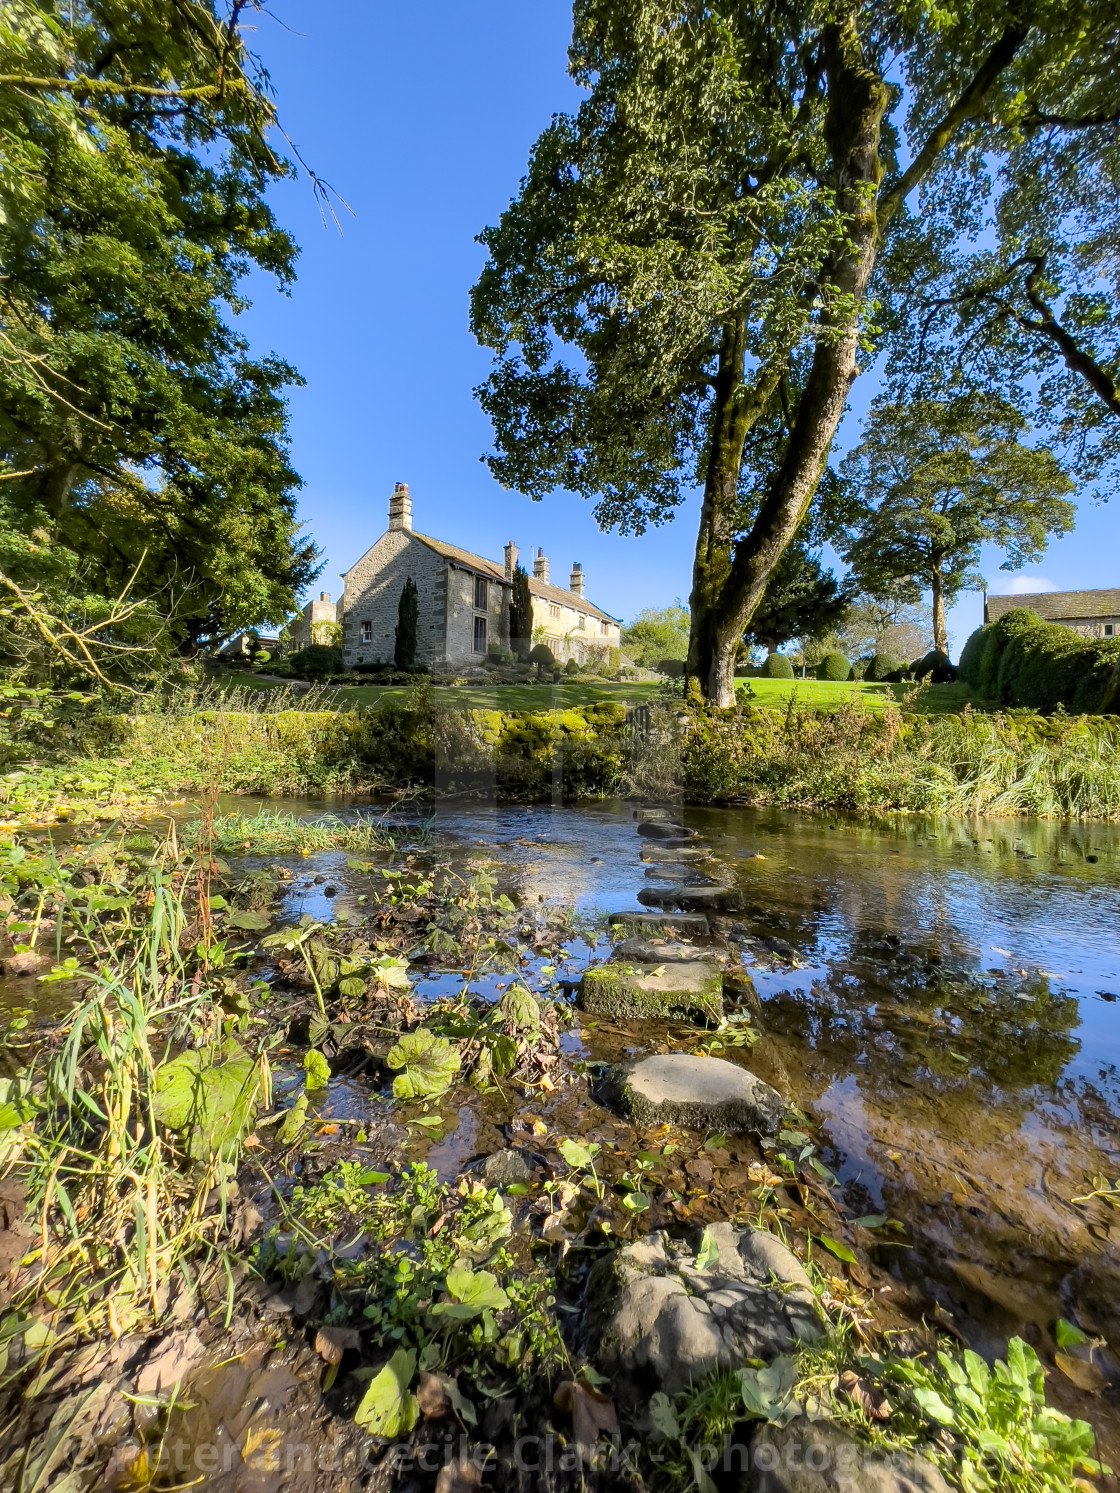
{"x": 422, "y": 121}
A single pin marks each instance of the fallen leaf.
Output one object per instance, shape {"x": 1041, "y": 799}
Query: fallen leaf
{"x": 592, "y": 1413}
{"x": 332, "y": 1342}
{"x": 459, "y": 1477}
{"x": 432, "y": 1396}
{"x": 1080, "y": 1371}
{"x": 261, "y": 1450}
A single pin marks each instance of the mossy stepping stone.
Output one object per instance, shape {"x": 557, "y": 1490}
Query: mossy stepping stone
{"x": 655, "y": 991}
{"x": 697, "y": 1093}
{"x": 657, "y": 951}
{"x": 657, "y": 829}
{"x": 680, "y": 853}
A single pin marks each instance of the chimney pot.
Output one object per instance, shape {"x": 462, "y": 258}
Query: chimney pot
{"x": 575, "y": 580}
{"x": 324, "y": 596}
{"x": 400, "y": 508}
{"x": 540, "y": 567}
{"x": 511, "y": 559}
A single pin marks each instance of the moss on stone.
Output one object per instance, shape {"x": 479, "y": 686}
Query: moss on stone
{"x": 679, "y": 990}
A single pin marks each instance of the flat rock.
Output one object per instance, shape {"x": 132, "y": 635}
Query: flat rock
{"x": 650, "y": 992}
{"x": 693, "y": 898}
{"x": 653, "y": 1321}
{"x": 662, "y": 829}
{"x": 697, "y": 1093}
{"x": 511, "y": 1165}
{"x": 25, "y": 963}
{"x": 658, "y": 853}
{"x": 820, "y": 1457}
{"x": 657, "y": 951}
{"x": 689, "y": 925}
{"x": 677, "y": 874}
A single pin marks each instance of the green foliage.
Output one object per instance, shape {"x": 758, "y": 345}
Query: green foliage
{"x": 571, "y": 667}
{"x": 802, "y": 600}
{"x": 880, "y": 666}
{"x": 388, "y": 1408}
{"x": 1020, "y": 660}
{"x": 1008, "y": 1435}
{"x": 316, "y": 661}
{"x": 427, "y": 1065}
{"x": 404, "y": 637}
{"x": 834, "y": 666}
{"x": 316, "y": 1069}
{"x": 520, "y": 613}
{"x": 541, "y": 655}
{"x": 146, "y": 449}
{"x": 968, "y": 665}
{"x": 208, "y": 1098}
{"x": 656, "y": 634}
{"x": 776, "y": 666}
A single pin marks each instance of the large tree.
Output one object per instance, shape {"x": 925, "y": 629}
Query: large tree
{"x": 141, "y": 445}
{"x": 803, "y": 599}
{"x": 939, "y": 478}
{"x": 680, "y": 290}
{"x": 655, "y": 634}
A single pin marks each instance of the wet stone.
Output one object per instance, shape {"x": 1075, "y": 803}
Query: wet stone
{"x": 656, "y": 951}
{"x": 688, "y": 925}
{"x": 504, "y": 1167}
{"x": 657, "y": 829}
{"x": 649, "y": 992}
{"x": 693, "y": 898}
{"x": 658, "y": 853}
{"x": 819, "y": 1457}
{"x": 697, "y": 1093}
{"x": 655, "y": 1322}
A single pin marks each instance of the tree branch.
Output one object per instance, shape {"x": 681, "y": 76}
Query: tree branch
{"x": 1073, "y": 354}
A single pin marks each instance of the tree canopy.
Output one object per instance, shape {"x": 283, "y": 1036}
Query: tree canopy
{"x": 802, "y": 600}
{"x": 682, "y": 288}
{"x": 938, "y": 478}
{"x": 655, "y": 634}
{"x": 142, "y": 447}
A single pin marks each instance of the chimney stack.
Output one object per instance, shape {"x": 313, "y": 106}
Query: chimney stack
{"x": 575, "y": 580}
{"x": 511, "y": 559}
{"x": 400, "y": 508}
{"x": 540, "y": 567}
{"x": 324, "y": 596}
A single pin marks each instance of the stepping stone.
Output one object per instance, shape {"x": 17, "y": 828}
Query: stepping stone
{"x": 656, "y": 830}
{"x": 697, "y": 1093}
{"x": 650, "y": 951}
{"x": 693, "y": 898}
{"x": 678, "y": 875}
{"x": 650, "y": 992}
{"x": 659, "y": 924}
{"x": 680, "y": 853}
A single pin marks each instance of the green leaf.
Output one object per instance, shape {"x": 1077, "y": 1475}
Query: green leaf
{"x": 708, "y": 1253}
{"x": 578, "y": 1157}
{"x": 934, "y": 1406}
{"x": 837, "y": 1247}
{"x": 388, "y": 1408}
{"x": 428, "y": 1065}
{"x": 1066, "y": 1335}
{"x": 503, "y": 1055}
{"x": 636, "y": 1202}
{"x": 477, "y": 1290}
{"x": 293, "y": 1122}
{"x": 391, "y": 972}
{"x": 211, "y": 1104}
{"x": 519, "y": 1008}
{"x": 251, "y": 922}
{"x": 662, "y": 1415}
{"x": 317, "y": 1069}
{"x": 871, "y": 1221}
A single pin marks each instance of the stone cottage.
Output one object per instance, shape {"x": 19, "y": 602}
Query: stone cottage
{"x": 1093, "y": 614}
{"x": 463, "y": 601}
{"x": 315, "y": 624}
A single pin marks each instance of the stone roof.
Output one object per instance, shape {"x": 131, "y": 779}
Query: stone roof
{"x": 567, "y": 599}
{"x": 1057, "y": 606}
{"x": 464, "y": 557}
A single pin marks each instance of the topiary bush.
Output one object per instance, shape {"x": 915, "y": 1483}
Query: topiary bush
{"x": 880, "y": 666}
{"x": 777, "y": 666}
{"x": 316, "y": 662}
{"x": 672, "y": 668}
{"x": 571, "y": 667}
{"x": 543, "y": 657}
{"x": 835, "y": 667}
{"x": 1043, "y": 665}
{"x": 968, "y": 665}
{"x": 935, "y": 667}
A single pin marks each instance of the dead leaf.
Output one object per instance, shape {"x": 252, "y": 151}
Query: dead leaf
{"x": 169, "y": 1364}
{"x": 865, "y": 1396}
{"x": 432, "y": 1396}
{"x": 592, "y": 1414}
{"x": 1081, "y": 1371}
{"x": 332, "y": 1342}
{"x": 261, "y": 1450}
{"x": 459, "y": 1477}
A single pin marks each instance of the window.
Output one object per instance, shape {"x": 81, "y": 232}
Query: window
{"x": 479, "y": 595}
{"x": 367, "y": 632}
{"x": 1109, "y": 629}
{"x": 553, "y": 610}
{"x": 582, "y": 623}
{"x": 480, "y": 633}
{"x": 604, "y": 628}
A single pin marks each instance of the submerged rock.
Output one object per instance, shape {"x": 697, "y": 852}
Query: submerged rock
{"x": 820, "y": 1457}
{"x": 656, "y": 951}
{"x": 511, "y": 1165}
{"x": 694, "y": 898}
{"x": 680, "y": 853}
{"x": 689, "y": 924}
{"x": 653, "y": 1321}
{"x": 652, "y": 991}
{"x": 697, "y": 1093}
{"x": 659, "y": 829}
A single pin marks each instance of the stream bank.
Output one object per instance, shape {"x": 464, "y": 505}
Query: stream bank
{"x": 931, "y": 998}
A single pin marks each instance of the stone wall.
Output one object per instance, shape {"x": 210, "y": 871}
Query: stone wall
{"x": 373, "y": 592}
{"x": 461, "y": 612}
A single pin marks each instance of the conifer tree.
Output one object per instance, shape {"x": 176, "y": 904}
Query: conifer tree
{"x": 408, "y": 610}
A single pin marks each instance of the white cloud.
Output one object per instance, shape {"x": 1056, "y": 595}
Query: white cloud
{"x": 1025, "y": 585}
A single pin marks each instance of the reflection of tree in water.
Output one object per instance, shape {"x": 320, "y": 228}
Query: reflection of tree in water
{"x": 900, "y": 1007}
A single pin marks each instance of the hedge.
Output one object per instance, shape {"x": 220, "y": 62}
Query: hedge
{"x": 1022, "y": 660}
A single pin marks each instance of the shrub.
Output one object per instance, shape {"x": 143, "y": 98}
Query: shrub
{"x": 777, "y": 666}
{"x": 672, "y": 668}
{"x": 316, "y": 662}
{"x": 408, "y": 612}
{"x": 968, "y": 666}
{"x": 542, "y": 656}
{"x": 935, "y": 667}
{"x": 880, "y": 666}
{"x": 834, "y": 666}
{"x": 571, "y": 667}
{"x": 1044, "y": 665}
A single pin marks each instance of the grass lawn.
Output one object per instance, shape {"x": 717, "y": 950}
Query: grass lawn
{"x": 934, "y": 699}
